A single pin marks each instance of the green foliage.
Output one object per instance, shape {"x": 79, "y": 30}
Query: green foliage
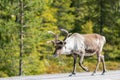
{"x": 87, "y": 27}
{"x": 33, "y": 65}
{"x": 2, "y": 74}
{"x": 65, "y": 18}
{"x": 40, "y": 16}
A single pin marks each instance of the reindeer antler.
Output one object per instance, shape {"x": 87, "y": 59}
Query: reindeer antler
{"x": 55, "y": 35}
{"x": 50, "y": 32}
{"x": 68, "y": 34}
{"x": 64, "y": 31}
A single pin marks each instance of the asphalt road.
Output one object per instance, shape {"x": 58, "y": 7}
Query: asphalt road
{"x": 110, "y": 75}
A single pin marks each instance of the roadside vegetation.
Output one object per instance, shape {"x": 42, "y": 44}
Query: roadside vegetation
{"x": 24, "y": 26}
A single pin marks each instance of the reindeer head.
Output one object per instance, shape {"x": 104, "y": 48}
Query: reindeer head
{"x": 59, "y": 44}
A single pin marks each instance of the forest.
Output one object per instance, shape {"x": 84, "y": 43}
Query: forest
{"x": 24, "y": 26}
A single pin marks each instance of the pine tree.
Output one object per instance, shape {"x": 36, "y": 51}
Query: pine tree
{"x": 64, "y": 14}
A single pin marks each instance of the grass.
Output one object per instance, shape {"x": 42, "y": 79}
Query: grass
{"x": 67, "y": 66}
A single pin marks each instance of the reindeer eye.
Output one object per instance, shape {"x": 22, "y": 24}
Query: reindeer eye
{"x": 64, "y": 42}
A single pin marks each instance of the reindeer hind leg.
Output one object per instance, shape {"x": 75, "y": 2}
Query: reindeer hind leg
{"x": 103, "y": 63}
{"x": 98, "y": 62}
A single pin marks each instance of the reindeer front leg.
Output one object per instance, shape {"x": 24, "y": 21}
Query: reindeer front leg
{"x": 74, "y": 65}
{"x": 81, "y": 63}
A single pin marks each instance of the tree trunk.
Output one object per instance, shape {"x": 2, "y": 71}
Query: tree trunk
{"x": 101, "y": 16}
{"x": 21, "y": 37}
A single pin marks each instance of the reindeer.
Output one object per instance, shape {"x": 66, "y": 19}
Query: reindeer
{"x": 80, "y": 45}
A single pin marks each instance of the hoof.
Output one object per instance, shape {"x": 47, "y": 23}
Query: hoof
{"x": 87, "y": 70}
{"x": 103, "y": 73}
{"x": 93, "y": 74}
{"x": 73, "y": 74}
